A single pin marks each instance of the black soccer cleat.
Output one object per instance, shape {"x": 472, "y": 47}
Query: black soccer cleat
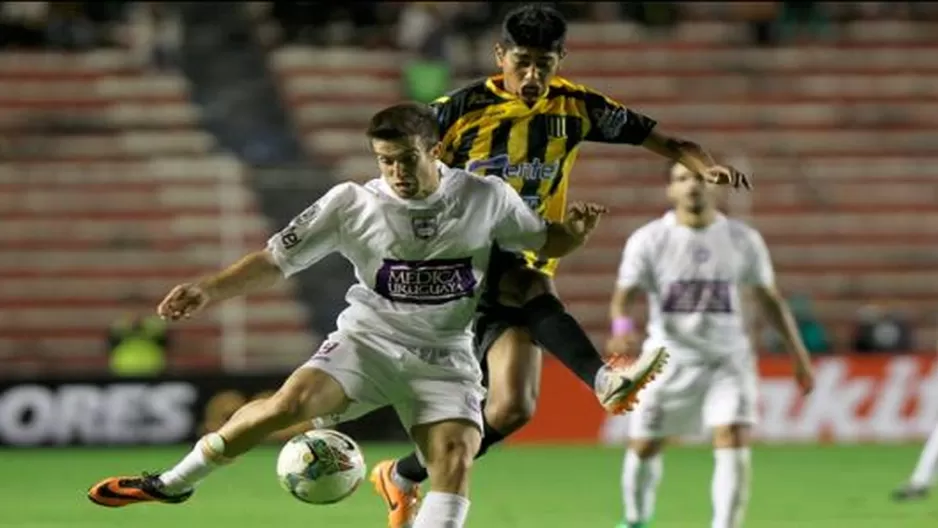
{"x": 117, "y": 492}
{"x": 910, "y": 492}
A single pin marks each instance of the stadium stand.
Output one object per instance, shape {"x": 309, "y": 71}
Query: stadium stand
{"x": 109, "y": 189}
{"x": 839, "y": 136}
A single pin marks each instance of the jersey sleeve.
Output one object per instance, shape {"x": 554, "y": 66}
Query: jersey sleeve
{"x": 517, "y": 227}
{"x": 759, "y": 269}
{"x": 447, "y": 110}
{"x": 635, "y": 267}
{"x": 613, "y": 122}
{"x": 312, "y": 234}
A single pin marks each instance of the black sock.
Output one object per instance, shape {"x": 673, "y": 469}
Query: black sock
{"x": 409, "y": 467}
{"x": 558, "y": 332}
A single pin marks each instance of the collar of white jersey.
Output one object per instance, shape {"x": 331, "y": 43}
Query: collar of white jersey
{"x": 670, "y": 218}
{"x": 445, "y": 172}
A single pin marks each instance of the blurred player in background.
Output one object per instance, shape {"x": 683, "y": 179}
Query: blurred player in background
{"x": 526, "y": 125}
{"x": 693, "y": 263}
{"x": 420, "y": 238}
{"x": 923, "y": 477}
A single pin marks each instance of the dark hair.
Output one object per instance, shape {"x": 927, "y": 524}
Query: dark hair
{"x": 535, "y": 26}
{"x": 405, "y": 120}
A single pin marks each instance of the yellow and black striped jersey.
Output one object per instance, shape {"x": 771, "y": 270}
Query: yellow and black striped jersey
{"x": 489, "y": 131}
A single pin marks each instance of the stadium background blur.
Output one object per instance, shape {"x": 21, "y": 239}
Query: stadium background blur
{"x": 145, "y": 144}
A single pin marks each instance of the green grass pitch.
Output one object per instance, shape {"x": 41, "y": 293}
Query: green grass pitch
{"x": 515, "y": 487}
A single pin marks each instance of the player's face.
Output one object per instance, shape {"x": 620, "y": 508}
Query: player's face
{"x": 408, "y": 166}
{"x": 689, "y": 191}
{"x": 527, "y": 71}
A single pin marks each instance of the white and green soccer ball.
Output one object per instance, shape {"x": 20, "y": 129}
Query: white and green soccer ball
{"x": 320, "y": 467}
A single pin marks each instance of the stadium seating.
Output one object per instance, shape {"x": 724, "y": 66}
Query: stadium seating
{"x": 840, "y": 138}
{"x": 109, "y": 191}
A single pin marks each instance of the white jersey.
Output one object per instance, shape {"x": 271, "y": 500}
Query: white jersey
{"x": 693, "y": 279}
{"x": 420, "y": 264}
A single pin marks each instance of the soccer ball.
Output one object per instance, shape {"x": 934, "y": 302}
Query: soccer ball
{"x": 320, "y": 467}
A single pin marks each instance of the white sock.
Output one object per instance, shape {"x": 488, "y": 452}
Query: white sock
{"x": 442, "y": 510}
{"x": 730, "y": 486}
{"x": 640, "y": 479}
{"x": 195, "y": 466}
{"x": 924, "y": 472}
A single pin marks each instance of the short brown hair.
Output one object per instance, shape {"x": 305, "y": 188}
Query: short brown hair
{"x": 405, "y": 120}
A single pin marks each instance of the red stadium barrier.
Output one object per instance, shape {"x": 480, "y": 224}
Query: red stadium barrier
{"x": 857, "y": 399}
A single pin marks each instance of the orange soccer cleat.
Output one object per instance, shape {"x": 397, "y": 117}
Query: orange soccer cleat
{"x": 402, "y": 504}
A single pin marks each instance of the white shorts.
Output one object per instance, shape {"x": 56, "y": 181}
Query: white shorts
{"x": 374, "y": 377}
{"x": 687, "y": 397}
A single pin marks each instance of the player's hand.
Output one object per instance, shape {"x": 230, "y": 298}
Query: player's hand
{"x": 583, "y": 217}
{"x": 183, "y": 302}
{"x": 726, "y": 175}
{"x": 804, "y": 376}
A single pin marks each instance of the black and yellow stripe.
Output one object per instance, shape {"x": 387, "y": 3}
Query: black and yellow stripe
{"x": 489, "y": 131}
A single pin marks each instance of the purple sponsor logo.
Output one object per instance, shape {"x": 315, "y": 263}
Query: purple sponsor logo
{"x": 698, "y": 296}
{"x": 436, "y": 281}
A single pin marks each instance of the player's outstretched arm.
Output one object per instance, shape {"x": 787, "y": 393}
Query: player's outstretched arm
{"x": 613, "y": 122}
{"x": 519, "y": 228}
{"x": 254, "y": 272}
{"x": 564, "y": 238}
{"x": 695, "y": 158}
{"x": 308, "y": 238}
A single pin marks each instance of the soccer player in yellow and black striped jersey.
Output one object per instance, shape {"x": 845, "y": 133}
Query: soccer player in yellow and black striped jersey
{"x": 526, "y": 125}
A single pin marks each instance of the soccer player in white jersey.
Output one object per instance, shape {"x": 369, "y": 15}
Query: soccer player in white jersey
{"x": 692, "y": 264}
{"x": 420, "y": 239}
{"x": 923, "y": 477}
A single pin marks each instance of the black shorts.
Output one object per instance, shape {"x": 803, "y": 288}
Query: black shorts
{"x": 492, "y": 318}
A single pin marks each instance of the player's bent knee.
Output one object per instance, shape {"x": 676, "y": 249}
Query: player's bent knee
{"x": 509, "y": 414}
{"x": 514, "y": 380}
{"x": 732, "y": 436}
{"x": 646, "y": 447}
{"x": 510, "y": 405}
